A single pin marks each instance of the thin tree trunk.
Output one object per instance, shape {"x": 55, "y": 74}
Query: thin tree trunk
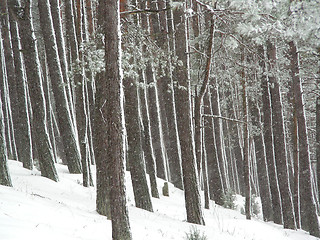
{"x": 268, "y": 140}
{"x": 11, "y": 79}
{"x": 147, "y": 143}
{"x": 135, "y": 158}
{"x": 309, "y": 217}
{"x": 4, "y": 171}
{"x": 215, "y": 101}
{"x": 199, "y": 100}
{"x": 24, "y": 147}
{"x": 154, "y": 104}
{"x": 169, "y": 96}
{"x": 318, "y": 133}
{"x": 264, "y": 184}
{"x": 31, "y": 60}
{"x": 214, "y": 174}
{"x": 64, "y": 115}
{"x": 183, "y": 106}
{"x": 57, "y": 24}
{"x": 280, "y": 143}
{"x": 246, "y": 152}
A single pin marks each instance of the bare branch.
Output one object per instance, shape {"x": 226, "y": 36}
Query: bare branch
{"x": 224, "y": 118}
{"x": 147, "y": 10}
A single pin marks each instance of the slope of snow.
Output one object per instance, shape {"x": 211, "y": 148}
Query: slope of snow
{"x": 38, "y": 208}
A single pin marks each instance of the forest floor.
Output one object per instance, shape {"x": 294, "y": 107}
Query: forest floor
{"x": 38, "y": 208}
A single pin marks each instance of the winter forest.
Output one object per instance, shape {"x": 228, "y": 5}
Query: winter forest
{"x": 215, "y": 99}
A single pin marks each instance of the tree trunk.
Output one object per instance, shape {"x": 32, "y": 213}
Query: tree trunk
{"x": 264, "y": 184}
{"x": 268, "y": 140}
{"x": 199, "y": 101}
{"x": 173, "y": 150}
{"x": 31, "y": 60}
{"x": 318, "y": 132}
{"x": 103, "y": 206}
{"x": 214, "y": 174}
{"x": 4, "y": 171}
{"x": 154, "y": 104}
{"x": 246, "y": 151}
{"x": 11, "y": 79}
{"x": 58, "y": 85}
{"x": 135, "y": 154}
{"x": 147, "y": 143}
{"x": 112, "y": 112}
{"x": 183, "y": 106}
{"x": 309, "y": 217}
{"x": 24, "y": 147}
{"x": 280, "y": 143}
{"x": 57, "y": 24}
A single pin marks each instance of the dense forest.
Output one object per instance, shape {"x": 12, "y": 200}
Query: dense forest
{"x": 215, "y": 97}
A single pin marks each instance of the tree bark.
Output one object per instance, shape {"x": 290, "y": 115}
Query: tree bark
{"x": 31, "y": 60}
{"x": 11, "y": 80}
{"x": 58, "y": 85}
{"x": 264, "y": 184}
{"x": 112, "y": 113}
{"x": 280, "y": 143}
{"x": 214, "y": 174}
{"x": 134, "y": 151}
{"x": 268, "y": 140}
{"x": 5, "y": 178}
{"x": 309, "y": 217}
{"x": 183, "y": 106}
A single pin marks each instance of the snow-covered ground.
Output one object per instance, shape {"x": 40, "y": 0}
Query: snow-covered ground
{"x": 38, "y": 208}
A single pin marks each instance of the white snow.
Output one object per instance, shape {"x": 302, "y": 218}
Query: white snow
{"x": 38, "y": 208}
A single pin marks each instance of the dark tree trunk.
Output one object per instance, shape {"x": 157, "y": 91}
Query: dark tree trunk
{"x": 147, "y": 142}
{"x": 21, "y": 120}
{"x": 246, "y": 151}
{"x": 268, "y": 140}
{"x": 112, "y": 112}
{"x": 318, "y": 133}
{"x": 59, "y": 91}
{"x": 134, "y": 152}
{"x": 280, "y": 143}
{"x": 309, "y": 217}
{"x": 154, "y": 104}
{"x": 215, "y": 101}
{"x": 214, "y": 175}
{"x": 57, "y": 24}
{"x": 11, "y": 79}
{"x": 4, "y": 171}
{"x": 199, "y": 101}
{"x": 31, "y": 60}
{"x": 173, "y": 150}
{"x": 103, "y": 206}
{"x": 183, "y": 107}
{"x": 264, "y": 185}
